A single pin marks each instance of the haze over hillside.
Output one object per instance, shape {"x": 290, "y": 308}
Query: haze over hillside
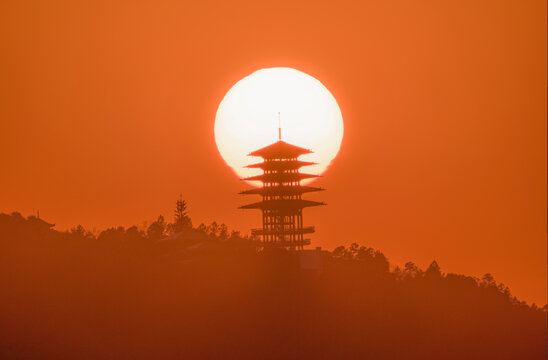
{"x": 177, "y": 291}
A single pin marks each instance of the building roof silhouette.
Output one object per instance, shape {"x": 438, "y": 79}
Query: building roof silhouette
{"x": 281, "y": 191}
{"x": 280, "y": 150}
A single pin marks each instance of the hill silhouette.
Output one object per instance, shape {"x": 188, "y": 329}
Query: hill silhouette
{"x": 174, "y": 291}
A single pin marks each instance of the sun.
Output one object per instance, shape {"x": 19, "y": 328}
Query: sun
{"x": 248, "y": 117}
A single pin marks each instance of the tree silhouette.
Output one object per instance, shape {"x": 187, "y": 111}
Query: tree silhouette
{"x": 433, "y": 271}
{"x": 181, "y": 218}
{"x": 488, "y": 280}
{"x": 411, "y": 270}
{"x": 157, "y": 229}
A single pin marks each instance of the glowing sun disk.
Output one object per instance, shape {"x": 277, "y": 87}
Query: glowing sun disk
{"x": 247, "y": 118}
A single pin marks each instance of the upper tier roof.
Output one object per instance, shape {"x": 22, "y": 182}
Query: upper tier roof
{"x": 281, "y": 165}
{"x": 281, "y": 177}
{"x": 280, "y": 150}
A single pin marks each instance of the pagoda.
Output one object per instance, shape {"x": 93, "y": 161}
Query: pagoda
{"x": 281, "y": 191}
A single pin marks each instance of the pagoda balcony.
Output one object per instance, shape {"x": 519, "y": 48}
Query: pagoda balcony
{"x": 284, "y": 243}
{"x": 304, "y": 230}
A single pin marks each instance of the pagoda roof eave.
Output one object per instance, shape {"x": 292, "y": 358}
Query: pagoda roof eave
{"x": 281, "y": 165}
{"x": 281, "y": 177}
{"x": 282, "y": 205}
{"x": 281, "y": 190}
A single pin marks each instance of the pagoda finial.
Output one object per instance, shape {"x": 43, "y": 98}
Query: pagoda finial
{"x": 279, "y": 127}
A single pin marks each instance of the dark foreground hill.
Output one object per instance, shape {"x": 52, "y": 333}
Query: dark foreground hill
{"x": 206, "y": 294}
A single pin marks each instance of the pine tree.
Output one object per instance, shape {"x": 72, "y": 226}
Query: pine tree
{"x": 181, "y": 218}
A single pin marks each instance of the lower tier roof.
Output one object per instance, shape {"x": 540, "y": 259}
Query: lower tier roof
{"x": 281, "y": 190}
{"x": 282, "y": 205}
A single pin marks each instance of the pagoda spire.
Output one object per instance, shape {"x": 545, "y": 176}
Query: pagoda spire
{"x": 279, "y": 127}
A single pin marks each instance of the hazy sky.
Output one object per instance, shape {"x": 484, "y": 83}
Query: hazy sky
{"x": 107, "y": 112}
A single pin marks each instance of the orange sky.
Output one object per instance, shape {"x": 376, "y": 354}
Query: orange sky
{"x": 107, "y": 112}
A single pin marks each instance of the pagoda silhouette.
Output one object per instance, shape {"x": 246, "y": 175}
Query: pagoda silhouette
{"x": 282, "y": 204}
